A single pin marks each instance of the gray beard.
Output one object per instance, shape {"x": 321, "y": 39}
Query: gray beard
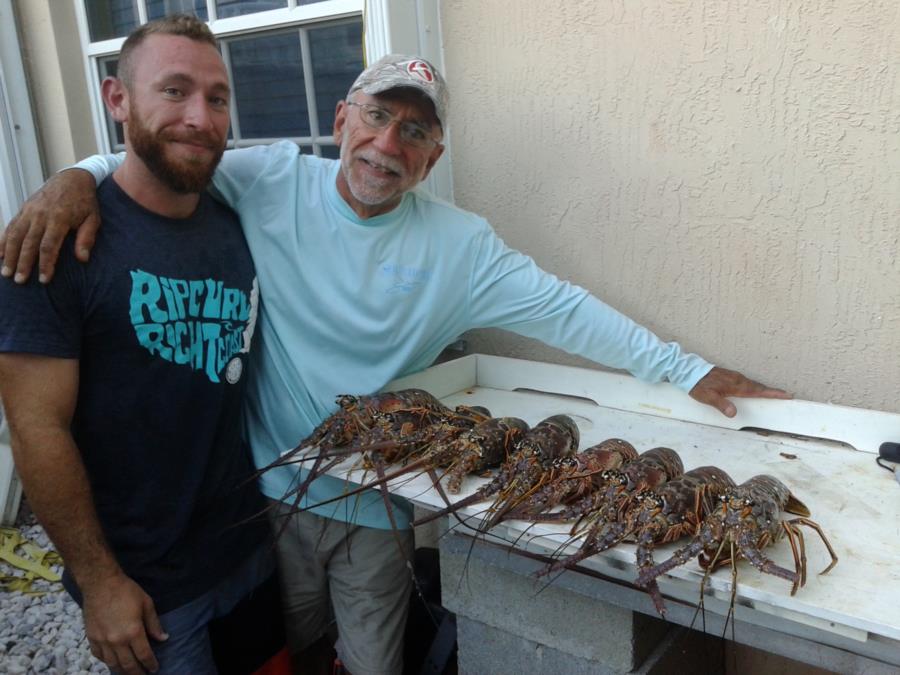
{"x": 364, "y": 194}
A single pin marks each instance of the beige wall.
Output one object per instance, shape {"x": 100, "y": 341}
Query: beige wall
{"x": 54, "y": 65}
{"x": 725, "y": 172}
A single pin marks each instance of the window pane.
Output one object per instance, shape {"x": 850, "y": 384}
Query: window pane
{"x": 330, "y": 151}
{"x": 110, "y": 18}
{"x": 156, "y": 9}
{"x": 227, "y": 8}
{"x": 108, "y": 68}
{"x": 267, "y": 76}
{"x": 337, "y": 58}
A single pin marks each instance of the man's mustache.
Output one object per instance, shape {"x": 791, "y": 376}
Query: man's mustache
{"x": 208, "y": 141}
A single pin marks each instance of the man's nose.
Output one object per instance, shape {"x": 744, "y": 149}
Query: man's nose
{"x": 387, "y": 139}
{"x": 198, "y": 114}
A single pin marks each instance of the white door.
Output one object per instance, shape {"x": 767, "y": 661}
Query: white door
{"x": 20, "y": 174}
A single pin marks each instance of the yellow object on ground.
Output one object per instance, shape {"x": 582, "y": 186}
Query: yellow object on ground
{"x": 34, "y": 561}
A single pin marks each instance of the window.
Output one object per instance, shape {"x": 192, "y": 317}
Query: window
{"x": 290, "y": 61}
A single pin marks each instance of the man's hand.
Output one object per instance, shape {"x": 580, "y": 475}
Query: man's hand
{"x": 67, "y": 201}
{"x": 118, "y": 618}
{"x": 719, "y": 383}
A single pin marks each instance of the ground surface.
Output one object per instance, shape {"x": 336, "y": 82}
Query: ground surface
{"x": 41, "y": 633}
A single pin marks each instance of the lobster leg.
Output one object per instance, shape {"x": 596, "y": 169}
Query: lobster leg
{"x": 798, "y": 550}
{"x": 750, "y": 550}
{"x": 818, "y": 528}
{"x": 680, "y": 557}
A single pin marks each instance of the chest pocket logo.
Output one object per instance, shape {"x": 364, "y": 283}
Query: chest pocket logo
{"x": 198, "y": 323}
{"x": 404, "y": 279}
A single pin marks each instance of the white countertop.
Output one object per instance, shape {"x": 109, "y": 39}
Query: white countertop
{"x": 856, "y": 502}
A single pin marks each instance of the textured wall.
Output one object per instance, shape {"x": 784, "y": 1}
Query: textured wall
{"x": 725, "y": 172}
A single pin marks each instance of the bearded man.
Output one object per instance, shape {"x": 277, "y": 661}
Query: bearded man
{"x": 123, "y": 383}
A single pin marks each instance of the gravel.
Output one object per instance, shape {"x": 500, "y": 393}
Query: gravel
{"x": 41, "y": 633}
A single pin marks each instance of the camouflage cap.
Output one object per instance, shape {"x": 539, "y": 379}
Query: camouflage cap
{"x": 397, "y": 70}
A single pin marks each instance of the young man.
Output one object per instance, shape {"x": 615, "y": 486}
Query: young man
{"x": 388, "y": 276}
{"x": 123, "y": 383}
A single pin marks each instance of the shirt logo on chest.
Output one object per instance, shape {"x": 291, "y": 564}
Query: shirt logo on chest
{"x": 404, "y": 279}
{"x": 199, "y": 323}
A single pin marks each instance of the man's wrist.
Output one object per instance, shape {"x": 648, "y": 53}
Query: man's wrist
{"x": 97, "y": 576}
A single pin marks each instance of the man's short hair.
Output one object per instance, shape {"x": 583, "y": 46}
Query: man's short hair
{"x": 182, "y": 25}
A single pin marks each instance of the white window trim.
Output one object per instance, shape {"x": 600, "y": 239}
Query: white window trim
{"x": 21, "y": 172}
{"x": 390, "y": 26}
{"x": 20, "y": 175}
{"x": 292, "y": 15}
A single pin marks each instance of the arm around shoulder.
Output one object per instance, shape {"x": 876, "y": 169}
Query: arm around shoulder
{"x": 67, "y": 201}
{"x": 240, "y": 169}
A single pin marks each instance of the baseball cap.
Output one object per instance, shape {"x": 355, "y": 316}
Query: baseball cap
{"x": 397, "y": 70}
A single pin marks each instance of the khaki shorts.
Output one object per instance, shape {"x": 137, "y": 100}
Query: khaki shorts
{"x": 355, "y": 575}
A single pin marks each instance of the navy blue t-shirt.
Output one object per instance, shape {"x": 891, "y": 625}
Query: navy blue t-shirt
{"x": 161, "y": 321}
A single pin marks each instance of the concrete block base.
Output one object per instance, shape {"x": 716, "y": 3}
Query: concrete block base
{"x": 509, "y": 622}
{"x": 487, "y": 649}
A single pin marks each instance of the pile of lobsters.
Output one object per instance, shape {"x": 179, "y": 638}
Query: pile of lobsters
{"x": 609, "y": 491}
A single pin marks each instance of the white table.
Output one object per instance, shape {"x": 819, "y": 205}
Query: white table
{"x": 824, "y": 453}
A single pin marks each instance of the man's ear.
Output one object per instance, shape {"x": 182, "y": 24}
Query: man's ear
{"x": 433, "y": 158}
{"x": 115, "y": 97}
{"x": 340, "y": 119}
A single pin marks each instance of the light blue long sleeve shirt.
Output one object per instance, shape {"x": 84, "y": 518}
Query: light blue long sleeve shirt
{"x": 349, "y": 304}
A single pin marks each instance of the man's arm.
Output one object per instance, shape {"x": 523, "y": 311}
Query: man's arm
{"x": 39, "y": 395}
{"x": 510, "y": 291}
{"x": 68, "y": 201}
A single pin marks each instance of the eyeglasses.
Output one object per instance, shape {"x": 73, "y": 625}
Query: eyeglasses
{"x": 411, "y": 133}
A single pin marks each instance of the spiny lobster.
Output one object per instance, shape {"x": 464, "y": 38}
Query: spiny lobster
{"x": 675, "y": 511}
{"x": 556, "y": 436}
{"x": 363, "y": 422}
{"x": 649, "y": 471}
{"x": 748, "y": 519}
{"x": 483, "y": 446}
{"x": 574, "y": 477}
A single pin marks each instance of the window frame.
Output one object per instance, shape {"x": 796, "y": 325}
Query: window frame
{"x": 21, "y": 174}
{"x": 389, "y": 26}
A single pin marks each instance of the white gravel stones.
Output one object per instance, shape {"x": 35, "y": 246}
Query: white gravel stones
{"x": 42, "y": 634}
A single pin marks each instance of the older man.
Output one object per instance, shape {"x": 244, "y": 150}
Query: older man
{"x": 365, "y": 277}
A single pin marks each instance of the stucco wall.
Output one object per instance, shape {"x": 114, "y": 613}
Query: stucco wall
{"x": 725, "y": 172}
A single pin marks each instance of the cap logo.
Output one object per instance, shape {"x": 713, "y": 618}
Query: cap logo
{"x": 421, "y": 70}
